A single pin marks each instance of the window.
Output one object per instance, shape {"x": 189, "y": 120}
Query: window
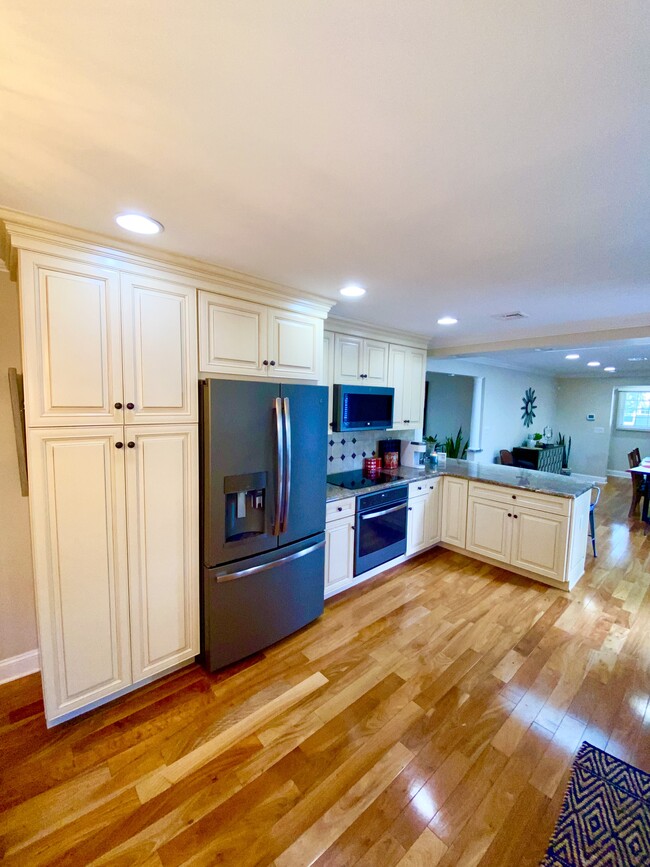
{"x": 633, "y": 411}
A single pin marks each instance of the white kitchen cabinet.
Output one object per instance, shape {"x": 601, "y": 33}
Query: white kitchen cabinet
{"x": 489, "y": 529}
{"x": 327, "y": 377}
{"x": 249, "y": 339}
{"x": 102, "y": 347}
{"x": 162, "y": 519}
{"x": 406, "y": 374}
{"x": 295, "y": 345}
{"x": 539, "y": 543}
{"x": 454, "y": 511}
{"x": 339, "y": 543}
{"x": 115, "y": 527}
{"x": 78, "y": 516}
{"x": 360, "y": 361}
{"x": 423, "y": 529}
{"x": 159, "y": 350}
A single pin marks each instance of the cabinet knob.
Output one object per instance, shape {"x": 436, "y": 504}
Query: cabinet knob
{"x": 410, "y": 508}
{"x": 130, "y": 406}
{"x": 131, "y": 444}
{"x": 407, "y": 421}
{"x": 265, "y": 363}
{"x": 510, "y": 514}
{"x": 514, "y": 496}
{"x": 516, "y": 516}
{"x": 272, "y": 363}
{"x": 119, "y": 445}
{"x": 419, "y": 487}
{"x": 430, "y": 487}
{"x": 118, "y": 405}
{"x": 340, "y": 508}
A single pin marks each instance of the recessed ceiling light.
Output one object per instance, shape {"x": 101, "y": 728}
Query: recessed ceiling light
{"x": 447, "y": 320}
{"x": 638, "y": 358}
{"x": 609, "y": 369}
{"x": 593, "y": 364}
{"x": 139, "y": 223}
{"x": 572, "y": 356}
{"x": 352, "y": 291}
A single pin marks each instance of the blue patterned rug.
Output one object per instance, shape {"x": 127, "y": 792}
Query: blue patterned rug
{"x": 605, "y": 818}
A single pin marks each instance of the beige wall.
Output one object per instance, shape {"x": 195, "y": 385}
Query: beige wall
{"x": 17, "y": 613}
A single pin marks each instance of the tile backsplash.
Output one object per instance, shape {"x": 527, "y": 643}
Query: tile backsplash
{"x": 346, "y": 451}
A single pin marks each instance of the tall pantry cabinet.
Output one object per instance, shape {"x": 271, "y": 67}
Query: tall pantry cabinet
{"x": 110, "y": 377}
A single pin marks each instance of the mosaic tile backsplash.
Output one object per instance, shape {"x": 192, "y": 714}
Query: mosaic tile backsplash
{"x": 346, "y": 451}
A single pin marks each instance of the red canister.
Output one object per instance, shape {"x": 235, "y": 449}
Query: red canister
{"x": 371, "y": 466}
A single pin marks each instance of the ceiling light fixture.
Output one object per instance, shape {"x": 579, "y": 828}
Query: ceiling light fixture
{"x": 638, "y": 358}
{"x": 447, "y": 320}
{"x": 609, "y": 369}
{"x": 593, "y": 364}
{"x": 139, "y": 223}
{"x": 572, "y": 356}
{"x": 352, "y": 291}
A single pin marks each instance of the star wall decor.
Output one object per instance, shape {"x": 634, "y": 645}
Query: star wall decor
{"x": 528, "y": 406}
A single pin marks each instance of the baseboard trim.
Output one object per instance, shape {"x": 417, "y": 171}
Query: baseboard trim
{"x": 618, "y": 474}
{"x": 19, "y": 666}
{"x": 583, "y": 477}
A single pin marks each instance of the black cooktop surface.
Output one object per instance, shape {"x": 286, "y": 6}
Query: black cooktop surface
{"x": 355, "y": 479}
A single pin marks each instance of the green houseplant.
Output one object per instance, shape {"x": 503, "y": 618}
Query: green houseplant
{"x": 455, "y": 447}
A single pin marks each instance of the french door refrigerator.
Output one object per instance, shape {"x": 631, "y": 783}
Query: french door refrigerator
{"x": 263, "y": 468}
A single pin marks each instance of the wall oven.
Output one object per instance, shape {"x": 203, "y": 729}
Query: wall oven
{"x": 380, "y": 528}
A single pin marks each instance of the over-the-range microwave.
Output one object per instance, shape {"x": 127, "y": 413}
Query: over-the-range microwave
{"x": 362, "y": 407}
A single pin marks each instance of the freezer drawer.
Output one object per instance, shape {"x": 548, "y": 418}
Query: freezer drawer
{"x": 254, "y": 603}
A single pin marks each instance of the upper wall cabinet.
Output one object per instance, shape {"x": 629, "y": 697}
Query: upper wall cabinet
{"x": 406, "y": 374}
{"x": 250, "y": 339}
{"x": 104, "y": 347}
{"x": 360, "y": 361}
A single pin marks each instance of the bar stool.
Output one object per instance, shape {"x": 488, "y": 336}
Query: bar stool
{"x": 592, "y": 522}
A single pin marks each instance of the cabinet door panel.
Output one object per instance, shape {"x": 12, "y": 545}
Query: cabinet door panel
{"x": 489, "y": 529}
{"x": 432, "y": 513}
{"x": 414, "y": 375}
{"x": 327, "y": 377}
{"x": 539, "y": 543}
{"x": 339, "y": 551}
{"x": 375, "y": 363}
{"x": 162, "y": 509}
{"x": 348, "y": 359}
{"x": 72, "y": 345}
{"x": 416, "y": 528}
{"x": 80, "y": 565}
{"x": 295, "y": 343}
{"x": 159, "y": 337}
{"x": 454, "y": 511}
{"x": 233, "y": 336}
{"x": 396, "y": 380}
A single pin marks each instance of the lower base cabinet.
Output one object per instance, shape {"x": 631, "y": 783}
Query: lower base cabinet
{"x": 339, "y": 544}
{"x": 423, "y": 529}
{"x": 114, "y": 516}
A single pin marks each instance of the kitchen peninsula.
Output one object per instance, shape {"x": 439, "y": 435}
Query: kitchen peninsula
{"x": 531, "y": 523}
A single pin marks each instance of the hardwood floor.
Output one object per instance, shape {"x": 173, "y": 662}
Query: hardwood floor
{"x": 428, "y": 718}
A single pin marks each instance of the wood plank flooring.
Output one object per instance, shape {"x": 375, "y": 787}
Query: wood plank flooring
{"x": 428, "y": 718}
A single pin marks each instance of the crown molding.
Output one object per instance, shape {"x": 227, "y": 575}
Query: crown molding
{"x": 20, "y": 231}
{"x": 359, "y": 328}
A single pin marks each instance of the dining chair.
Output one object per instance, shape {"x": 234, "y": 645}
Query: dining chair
{"x": 592, "y": 521}
{"x": 506, "y": 458}
{"x": 638, "y": 482}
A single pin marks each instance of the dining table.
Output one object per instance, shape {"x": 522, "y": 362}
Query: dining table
{"x": 644, "y": 470}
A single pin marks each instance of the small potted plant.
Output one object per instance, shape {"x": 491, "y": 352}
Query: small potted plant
{"x": 537, "y": 438}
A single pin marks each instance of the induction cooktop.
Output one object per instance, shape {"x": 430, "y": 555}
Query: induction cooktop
{"x": 355, "y": 479}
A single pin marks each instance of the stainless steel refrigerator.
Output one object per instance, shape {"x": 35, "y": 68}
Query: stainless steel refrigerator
{"x": 263, "y": 469}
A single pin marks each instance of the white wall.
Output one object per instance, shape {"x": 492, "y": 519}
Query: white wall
{"x": 449, "y": 405}
{"x": 596, "y": 445}
{"x": 17, "y": 610}
{"x": 503, "y": 427}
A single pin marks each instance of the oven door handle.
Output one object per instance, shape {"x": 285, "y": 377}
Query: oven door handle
{"x": 383, "y": 512}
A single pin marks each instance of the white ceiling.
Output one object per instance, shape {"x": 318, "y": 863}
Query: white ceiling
{"x": 454, "y": 158}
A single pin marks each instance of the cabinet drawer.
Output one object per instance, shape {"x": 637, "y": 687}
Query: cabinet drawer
{"x": 422, "y": 487}
{"x": 340, "y": 509}
{"x": 521, "y": 498}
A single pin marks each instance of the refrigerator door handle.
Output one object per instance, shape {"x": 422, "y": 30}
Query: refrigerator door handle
{"x": 255, "y": 569}
{"x": 279, "y": 483}
{"x": 284, "y": 523}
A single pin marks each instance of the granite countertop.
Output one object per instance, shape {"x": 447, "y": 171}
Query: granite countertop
{"x": 492, "y": 474}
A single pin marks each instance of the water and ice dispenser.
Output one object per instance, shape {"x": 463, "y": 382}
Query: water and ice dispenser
{"x": 245, "y": 505}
